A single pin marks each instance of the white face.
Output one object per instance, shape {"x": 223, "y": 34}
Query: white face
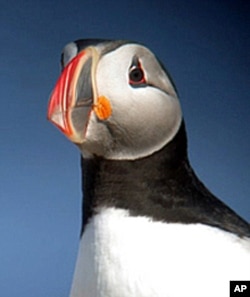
{"x": 144, "y": 117}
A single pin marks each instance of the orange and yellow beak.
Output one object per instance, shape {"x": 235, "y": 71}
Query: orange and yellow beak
{"x": 75, "y": 96}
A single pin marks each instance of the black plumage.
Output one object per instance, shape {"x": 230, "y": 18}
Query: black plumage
{"x": 162, "y": 186}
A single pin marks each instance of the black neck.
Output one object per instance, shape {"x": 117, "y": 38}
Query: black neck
{"x": 162, "y": 186}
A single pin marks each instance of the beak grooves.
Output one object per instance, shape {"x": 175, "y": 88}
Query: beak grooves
{"x": 65, "y": 99}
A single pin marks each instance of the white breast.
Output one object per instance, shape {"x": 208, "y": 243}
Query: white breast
{"x": 123, "y": 256}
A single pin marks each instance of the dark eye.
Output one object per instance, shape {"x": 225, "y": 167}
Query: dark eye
{"x": 136, "y": 76}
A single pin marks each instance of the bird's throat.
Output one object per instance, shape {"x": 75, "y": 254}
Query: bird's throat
{"x": 128, "y": 184}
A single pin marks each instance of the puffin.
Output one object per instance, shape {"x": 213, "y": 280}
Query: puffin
{"x": 150, "y": 227}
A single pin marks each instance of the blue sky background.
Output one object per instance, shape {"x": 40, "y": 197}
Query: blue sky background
{"x": 204, "y": 45}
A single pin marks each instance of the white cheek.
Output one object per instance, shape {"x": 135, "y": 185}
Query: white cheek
{"x": 145, "y": 118}
{"x": 111, "y": 79}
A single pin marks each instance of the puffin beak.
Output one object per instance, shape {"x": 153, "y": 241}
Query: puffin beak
{"x": 73, "y": 97}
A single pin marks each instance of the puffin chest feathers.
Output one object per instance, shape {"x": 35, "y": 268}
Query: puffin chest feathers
{"x": 150, "y": 228}
{"x": 125, "y": 256}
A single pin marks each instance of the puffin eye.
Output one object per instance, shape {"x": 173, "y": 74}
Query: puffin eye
{"x": 136, "y": 74}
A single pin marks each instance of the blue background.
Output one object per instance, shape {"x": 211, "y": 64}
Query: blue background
{"x": 205, "y": 47}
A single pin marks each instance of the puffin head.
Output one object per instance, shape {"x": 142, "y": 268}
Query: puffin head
{"x": 114, "y": 100}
